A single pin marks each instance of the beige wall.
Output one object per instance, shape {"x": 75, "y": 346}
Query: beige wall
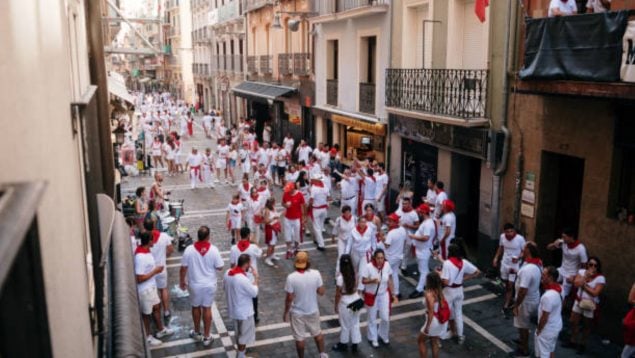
{"x": 35, "y": 95}
{"x": 581, "y": 128}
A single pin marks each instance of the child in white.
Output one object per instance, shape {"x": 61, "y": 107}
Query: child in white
{"x": 234, "y": 217}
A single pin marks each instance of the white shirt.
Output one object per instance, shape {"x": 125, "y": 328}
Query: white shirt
{"x": 244, "y": 193}
{"x": 201, "y": 269}
{"x": 551, "y": 302}
{"x": 143, "y": 265}
{"x": 235, "y": 210}
{"x": 567, "y": 8}
{"x": 395, "y": 241}
{"x": 288, "y": 143}
{"x": 511, "y": 248}
{"x": 262, "y": 157}
{"x": 598, "y": 280}
{"x": 361, "y": 242}
{"x": 253, "y": 251}
{"x": 272, "y": 154}
{"x": 304, "y": 288}
{"x": 452, "y": 273}
{"x": 381, "y": 182}
{"x": 438, "y": 203}
{"x": 596, "y": 5}
{"x": 223, "y": 151}
{"x": 529, "y": 277}
{"x": 369, "y": 271}
{"x": 343, "y": 228}
{"x": 431, "y": 197}
{"x": 427, "y": 228}
{"x": 304, "y": 153}
{"x": 281, "y": 157}
{"x": 255, "y": 206}
{"x": 349, "y": 189}
{"x": 239, "y": 291}
{"x": 159, "y": 249}
{"x": 266, "y": 134}
{"x": 207, "y": 121}
{"x": 319, "y": 195}
{"x": 409, "y": 218}
{"x": 194, "y": 160}
{"x": 448, "y": 220}
{"x": 572, "y": 258}
{"x": 291, "y": 177}
{"x": 369, "y": 188}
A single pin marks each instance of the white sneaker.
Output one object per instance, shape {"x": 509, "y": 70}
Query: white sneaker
{"x": 208, "y": 340}
{"x": 165, "y": 332}
{"x": 196, "y": 336}
{"x": 275, "y": 258}
{"x": 324, "y": 355}
{"x": 153, "y": 341}
{"x": 375, "y": 344}
{"x": 268, "y": 262}
{"x": 461, "y": 339}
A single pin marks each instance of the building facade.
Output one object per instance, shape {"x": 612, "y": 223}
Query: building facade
{"x": 202, "y": 53}
{"x": 352, "y": 51}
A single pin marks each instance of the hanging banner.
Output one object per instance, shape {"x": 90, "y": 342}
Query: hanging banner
{"x": 628, "y": 57}
{"x": 294, "y": 111}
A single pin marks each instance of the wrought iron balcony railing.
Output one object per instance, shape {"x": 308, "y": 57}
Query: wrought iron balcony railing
{"x": 265, "y": 64}
{"x": 324, "y": 7}
{"x": 252, "y": 64}
{"x": 301, "y": 64}
{"x": 285, "y": 64}
{"x": 455, "y": 93}
{"x": 367, "y": 97}
{"x": 331, "y": 92}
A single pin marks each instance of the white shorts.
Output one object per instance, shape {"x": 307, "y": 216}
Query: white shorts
{"x": 234, "y": 223}
{"x": 381, "y": 205}
{"x": 586, "y": 313}
{"x": 508, "y": 272}
{"x": 221, "y": 163}
{"x": 292, "y": 230}
{"x": 162, "y": 279}
{"x": 437, "y": 329}
{"x": 545, "y": 343}
{"x": 202, "y": 296}
{"x": 156, "y": 153}
{"x": 526, "y": 312}
{"x": 148, "y": 298}
{"x": 245, "y": 331}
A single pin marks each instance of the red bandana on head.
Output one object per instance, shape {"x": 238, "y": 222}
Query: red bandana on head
{"x": 574, "y": 244}
{"x": 553, "y": 286}
{"x": 202, "y": 247}
{"x": 155, "y": 235}
{"x": 456, "y": 262}
{"x": 141, "y": 250}
{"x": 237, "y": 271}
{"x": 243, "y": 245}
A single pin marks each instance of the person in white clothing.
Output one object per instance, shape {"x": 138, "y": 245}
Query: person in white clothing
{"x": 281, "y": 160}
{"x": 301, "y": 306}
{"x": 376, "y": 278}
{"x": 431, "y": 194}
{"x": 574, "y": 258}
{"x": 441, "y": 197}
{"x": 368, "y": 187}
{"x": 288, "y": 143}
{"x": 273, "y": 227}
{"x": 193, "y": 163}
{"x": 145, "y": 271}
{"x": 303, "y": 152}
{"x": 245, "y": 161}
{"x": 361, "y": 244}
{"x": 342, "y": 230}
{"x": 562, "y": 8}
{"x": 595, "y": 6}
{"x": 447, "y": 228}
{"x": 161, "y": 249}
{"x": 436, "y": 317}
{"x": 266, "y": 132}
{"x": 456, "y": 270}
{"x": 207, "y": 125}
{"x": 510, "y": 246}
{"x": 244, "y": 246}
{"x": 549, "y": 315}
{"x": 240, "y": 289}
{"x": 349, "y": 190}
{"x": 222, "y": 153}
{"x": 198, "y": 274}
{"x": 345, "y": 295}
{"x": 527, "y": 295}
{"x": 319, "y": 203}
{"x": 422, "y": 241}
{"x": 208, "y": 167}
{"x": 253, "y": 215}
{"x": 381, "y": 188}
{"x": 244, "y": 189}
{"x": 409, "y": 220}
{"x": 234, "y": 217}
{"x": 394, "y": 242}
{"x": 157, "y": 153}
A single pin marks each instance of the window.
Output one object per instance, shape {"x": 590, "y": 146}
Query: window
{"x": 367, "y": 59}
{"x": 332, "y": 59}
{"x": 622, "y": 188}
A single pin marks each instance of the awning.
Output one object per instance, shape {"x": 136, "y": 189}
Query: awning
{"x": 367, "y": 123}
{"x": 118, "y": 88}
{"x": 262, "y": 90}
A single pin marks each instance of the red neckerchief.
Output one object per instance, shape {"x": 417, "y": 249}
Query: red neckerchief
{"x": 377, "y": 267}
{"x": 359, "y": 229}
{"x": 318, "y": 184}
{"x": 393, "y": 227}
{"x": 574, "y": 244}
{"x": 243, "y": 245}
{"x": 237, "y": 271}
{"x": 372, "y": 178}
{"x": 303, "y": 145}
{"x": 407, "y": 211}
{"x": 553, "y": 286}
{"x": 300, "y": 271}
{"x": 349, "y": 217}
{"x": 202, "y": 247}
{"x": 594, "y": 275}
{"x": 141, "y": 250}
{"x": 508, "y": 239}
{"x": 438, "y": 191}
{"x": 155, "y": 236}
{"x": 254, "y": 197}
{"x": 534, "y": 260}
{"x": 235, "y": 202}
{"x": 369, "y": 218}
{"x": 456, "y": 262}
{"x": 262, "y": 188}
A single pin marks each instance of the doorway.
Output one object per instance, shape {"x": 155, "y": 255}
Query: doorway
{"x": 559, "y": 198}
{"x": 419, "y": 163}
{"x": 465, "y": 192}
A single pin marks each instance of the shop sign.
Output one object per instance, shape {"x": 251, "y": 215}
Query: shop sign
{"x": 294, "y": 111}
{"x": 375, "y": 128}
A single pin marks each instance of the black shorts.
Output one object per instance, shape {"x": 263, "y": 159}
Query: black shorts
{"x": 281, "y": 171}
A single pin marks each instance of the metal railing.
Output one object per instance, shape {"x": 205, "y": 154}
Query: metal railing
{"x": 285, "y": 64}
{"x": 250, "y": 5}
{"x": 252, "y": 64}
{"x": 331, "y": 92}
{"x": 238, "y": 63}
{"x": 367, "y": 97}
{"x": 324, "y": 7}
{"x": 301, "y": 64}
{"x": 266, "y": 64}
{"x": 450, "y": 92}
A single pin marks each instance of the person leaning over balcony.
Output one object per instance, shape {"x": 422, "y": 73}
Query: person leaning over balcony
{"x": 598, "y": 6}
{"x": 562, "y": 8}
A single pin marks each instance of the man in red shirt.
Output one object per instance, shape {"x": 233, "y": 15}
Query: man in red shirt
{"x": 294, "y": 216}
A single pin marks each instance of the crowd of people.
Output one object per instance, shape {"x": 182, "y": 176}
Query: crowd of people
{"x": 373, "y": 247}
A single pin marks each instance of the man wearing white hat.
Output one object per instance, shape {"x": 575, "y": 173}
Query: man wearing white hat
{"x": 319, "y": 198}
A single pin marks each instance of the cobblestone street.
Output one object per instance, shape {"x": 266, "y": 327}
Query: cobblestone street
{"x": 488, "y": 333}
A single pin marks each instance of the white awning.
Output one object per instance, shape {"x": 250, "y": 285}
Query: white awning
{"x": 117, "y": 87}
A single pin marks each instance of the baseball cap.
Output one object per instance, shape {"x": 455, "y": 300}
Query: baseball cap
{"x": 301, "y": 260}
{"x": 423, "y": 208}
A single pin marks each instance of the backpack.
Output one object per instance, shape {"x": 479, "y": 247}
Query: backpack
{"x": 443, "y": 312}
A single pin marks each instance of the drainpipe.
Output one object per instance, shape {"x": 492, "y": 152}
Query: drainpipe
{"x": 502, "y": 166}
{"x": 388, "y": 149}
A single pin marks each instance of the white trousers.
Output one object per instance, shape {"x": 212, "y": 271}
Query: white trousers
{"x": 424, "y": 268}
{"x": 394, "y": 266}
{"x": 292, "y": 230}
{"x": 341, "y": 248}
{"x": 255, "y": 228}
{"x": 349, "y": 322}
{"x": 319, "y": 215}
{"x": 360, "y": 259}
{"x": 381, "y": 309}
{"x": 407, "y": 253}
{"x": 454, "y": 296}
{"x": 194, "y": 177}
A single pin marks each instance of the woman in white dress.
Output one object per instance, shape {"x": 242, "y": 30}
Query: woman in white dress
{"x": 272, "y": 230}
{"x": 342, "y": 230}
{"x": 433, "y": 328}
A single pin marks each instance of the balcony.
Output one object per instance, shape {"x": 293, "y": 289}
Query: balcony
{"x": 301, "y": 64}
{"x": 251, "y": 5}
{"x": 327, "y": 9}
{"x": 238, "y": 64}
{"x": 367, "y": 98}
{"x": 285, "y": 64}
{"x": 251, "y": 64}
{"x": 331, "y": 92}
{"x": 454, "y": 93}
{"x": 265, "y": 64}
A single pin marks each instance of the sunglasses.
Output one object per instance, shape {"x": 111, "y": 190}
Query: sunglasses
{"x": 592, "y": 264}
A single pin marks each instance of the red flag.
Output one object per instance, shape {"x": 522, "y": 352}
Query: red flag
{"x": 479, "y": 9}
